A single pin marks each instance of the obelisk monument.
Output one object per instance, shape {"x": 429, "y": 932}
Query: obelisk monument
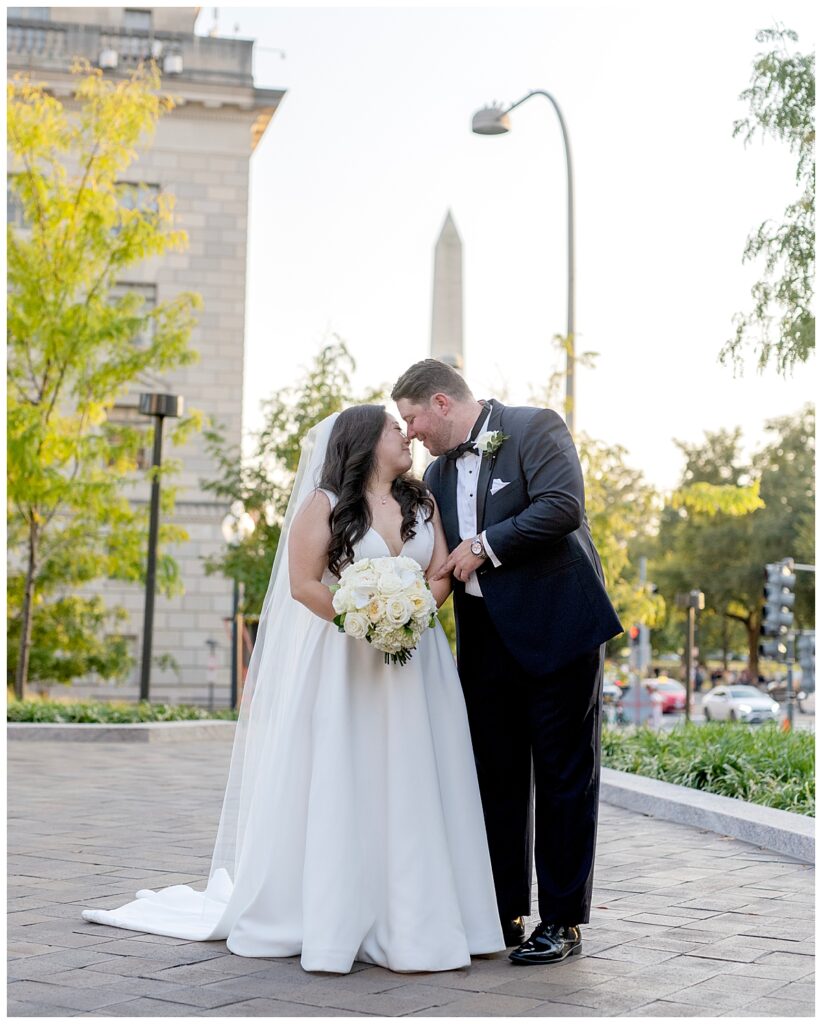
{"x": 446, "y": 317}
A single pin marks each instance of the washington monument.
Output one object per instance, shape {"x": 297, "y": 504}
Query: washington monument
{"x": 446, "y": 317}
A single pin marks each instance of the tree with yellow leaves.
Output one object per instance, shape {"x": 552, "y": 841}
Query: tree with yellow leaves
{"x": 71, "y": 353}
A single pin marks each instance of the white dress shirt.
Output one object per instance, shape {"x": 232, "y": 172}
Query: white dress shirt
{"x": 468, "y": 469}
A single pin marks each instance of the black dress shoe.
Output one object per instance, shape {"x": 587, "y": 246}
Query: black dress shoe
{"x": 513, "y": 931}
{"x": 549, "y": 944}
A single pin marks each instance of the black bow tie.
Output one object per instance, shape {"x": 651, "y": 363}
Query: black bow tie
{"x": 471, "y": 444}
{"x": 461, "y": 449}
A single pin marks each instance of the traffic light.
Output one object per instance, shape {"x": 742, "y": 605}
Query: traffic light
{"x": 633, "y": 633}
{"x": 777, "y": 615}
{"x": 806, "y": 656}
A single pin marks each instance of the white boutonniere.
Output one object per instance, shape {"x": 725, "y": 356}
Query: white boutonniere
{"x": 490, "y": 441}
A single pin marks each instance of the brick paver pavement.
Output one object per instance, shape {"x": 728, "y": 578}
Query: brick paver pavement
{"x": 686, "y": 923}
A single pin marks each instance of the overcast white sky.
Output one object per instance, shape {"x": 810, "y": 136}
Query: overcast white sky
{"x": 372, "y": 146}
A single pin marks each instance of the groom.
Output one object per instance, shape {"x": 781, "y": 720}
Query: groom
{"x": 532, "y": 615}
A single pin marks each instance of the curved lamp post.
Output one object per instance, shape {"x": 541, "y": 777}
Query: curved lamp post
{"x": 494, "y": 121}
{"x": 237, "y": 526}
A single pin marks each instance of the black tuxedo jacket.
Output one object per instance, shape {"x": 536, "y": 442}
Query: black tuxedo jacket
{"x": 547, "y": 599}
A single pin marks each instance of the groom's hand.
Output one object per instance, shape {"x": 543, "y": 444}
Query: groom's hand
{"x": 461, "y": 562}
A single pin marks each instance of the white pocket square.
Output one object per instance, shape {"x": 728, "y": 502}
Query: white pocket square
{"x": 497, "y": 484}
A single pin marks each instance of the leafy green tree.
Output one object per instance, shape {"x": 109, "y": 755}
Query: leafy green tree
{"x": 71, "y": 353}
{"x": 781, "y": 325}
{"x": 261, "y": 482}
{"x": 622, "y": 513}
{"x": 723, "y": 553}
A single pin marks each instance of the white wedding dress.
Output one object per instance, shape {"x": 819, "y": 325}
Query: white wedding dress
{"x": 362, "y": 834}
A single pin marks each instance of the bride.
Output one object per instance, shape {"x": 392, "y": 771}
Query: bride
{"x": 351, "y": 826}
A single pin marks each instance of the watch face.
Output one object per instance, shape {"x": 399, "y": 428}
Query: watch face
{"x": 476, "y": 547}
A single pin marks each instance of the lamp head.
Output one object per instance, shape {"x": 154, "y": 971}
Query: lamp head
{"x": 490, "y": 121}
{"x": 153, "y": 404}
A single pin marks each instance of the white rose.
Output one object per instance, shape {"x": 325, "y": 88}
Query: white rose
{"x": 375, "y": 609}
{"x": 483, "y": 440}
{"x": 398, "y": 610}
{"x": 356, "y": 625}
{"x": 389, "y": 583}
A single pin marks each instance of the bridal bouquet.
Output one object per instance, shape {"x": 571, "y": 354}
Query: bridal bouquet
{"x": 387, "y": 602}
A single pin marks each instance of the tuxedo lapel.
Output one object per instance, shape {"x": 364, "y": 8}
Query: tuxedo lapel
{"x": 486, "y": 467}
{"x": 448, "y": 501}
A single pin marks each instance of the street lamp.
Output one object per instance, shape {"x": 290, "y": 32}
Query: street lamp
{"x": 237, "y": 526}
{"x": 494, "y": 121}
{"x": 158, "y": 407}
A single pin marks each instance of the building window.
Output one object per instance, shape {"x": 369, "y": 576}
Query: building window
{"x": 29, "y": 13}
{"x": 137, "y": 19}
{"x": 148, "y": 293}
{"x": 139, "y": 196}
{"x": 15, "y": 215}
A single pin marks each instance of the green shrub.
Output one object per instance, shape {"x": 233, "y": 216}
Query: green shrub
{"x": 114, "y": 713}
{"x": 763, "y": 765}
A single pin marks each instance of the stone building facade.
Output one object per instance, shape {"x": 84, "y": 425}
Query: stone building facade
{"x": 200, "y": 154}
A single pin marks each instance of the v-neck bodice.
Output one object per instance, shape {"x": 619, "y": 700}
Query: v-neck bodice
{"x": 372, "y": 544}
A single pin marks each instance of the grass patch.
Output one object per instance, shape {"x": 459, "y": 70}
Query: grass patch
{"x": 761, "y": 764}
{"x": 110, "y": 713}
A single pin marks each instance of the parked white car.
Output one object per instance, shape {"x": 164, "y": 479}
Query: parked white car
{"x": 739, "y": 703}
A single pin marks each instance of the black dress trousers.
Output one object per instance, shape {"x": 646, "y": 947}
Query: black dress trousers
{"x": 537, "y": 749}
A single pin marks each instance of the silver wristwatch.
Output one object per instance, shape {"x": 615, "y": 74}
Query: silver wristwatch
{"x": 478, "y": 548}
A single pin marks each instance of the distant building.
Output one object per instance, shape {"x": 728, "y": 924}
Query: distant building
{"x": 201, "y": 154}
{"x": 446, "y": 311}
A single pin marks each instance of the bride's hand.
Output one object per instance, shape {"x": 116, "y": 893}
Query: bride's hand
{"x": 461, "y": 562}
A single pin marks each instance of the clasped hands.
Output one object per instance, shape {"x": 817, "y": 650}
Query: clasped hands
{"x": 461, "y": 562}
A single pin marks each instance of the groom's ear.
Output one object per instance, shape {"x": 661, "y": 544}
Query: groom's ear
{"x": 441, "y": 403}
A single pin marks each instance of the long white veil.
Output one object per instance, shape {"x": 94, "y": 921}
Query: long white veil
{"x": 271, "y": 671}
{"x": 260, "y": 753}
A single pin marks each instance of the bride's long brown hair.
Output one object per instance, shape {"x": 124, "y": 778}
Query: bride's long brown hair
{"x": 350, "y": 462}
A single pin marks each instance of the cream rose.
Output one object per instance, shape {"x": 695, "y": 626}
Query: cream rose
{"x": 398, "y": 610}
{"x": 356, "y": 625}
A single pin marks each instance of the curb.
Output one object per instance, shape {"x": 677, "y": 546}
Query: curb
{"x": 779, "y": 831}
{"x": 138, "y": 732}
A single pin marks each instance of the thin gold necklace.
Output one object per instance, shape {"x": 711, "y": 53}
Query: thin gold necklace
{"x": 383, "y": 498}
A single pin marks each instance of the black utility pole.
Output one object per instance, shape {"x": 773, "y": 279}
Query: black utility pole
{"x": 158, "y": 407}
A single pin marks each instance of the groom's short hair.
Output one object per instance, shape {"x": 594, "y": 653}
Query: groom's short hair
{"x": 430, "y": 377}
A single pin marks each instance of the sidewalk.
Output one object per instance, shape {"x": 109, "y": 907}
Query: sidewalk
{"x": 686, "y": 923}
